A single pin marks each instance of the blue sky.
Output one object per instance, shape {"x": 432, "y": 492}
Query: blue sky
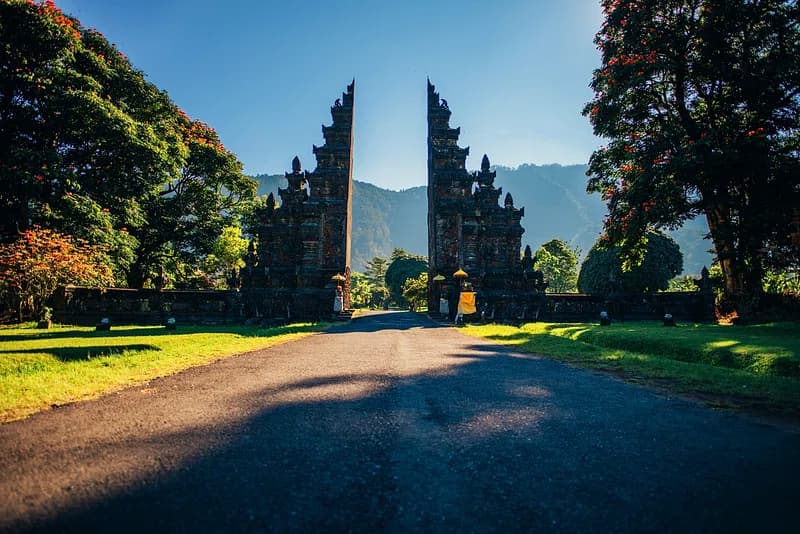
{"x": 264, "y": 74}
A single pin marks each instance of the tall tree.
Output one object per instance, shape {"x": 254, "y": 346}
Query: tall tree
{"x": 700, "y": 102}
{"x": 75, "y": 117}
{"x": 83, "y": 218}
{"x": 360, "y": 290}
{"x": 78, "y": 123}
{"x": 559, "y": 265}
{"x": 376, "y": 271}
{"x": 226, "y": 258}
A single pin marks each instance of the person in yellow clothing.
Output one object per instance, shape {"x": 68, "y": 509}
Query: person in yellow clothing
{"x": 466, "y": 305}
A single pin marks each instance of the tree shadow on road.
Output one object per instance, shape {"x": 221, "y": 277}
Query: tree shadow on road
{"x": 144, "y": 331}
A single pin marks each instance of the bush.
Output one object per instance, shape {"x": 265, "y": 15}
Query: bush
{"x": 602, "y": 272}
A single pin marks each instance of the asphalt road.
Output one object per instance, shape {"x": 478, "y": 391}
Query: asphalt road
{"x": 391, "y": 423}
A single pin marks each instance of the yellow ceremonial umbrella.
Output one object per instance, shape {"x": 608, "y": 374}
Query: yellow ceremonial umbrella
{"x": 438, "y": 278}
{"x": 460, "y": 274}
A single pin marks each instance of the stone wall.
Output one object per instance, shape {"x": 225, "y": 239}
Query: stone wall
{"x": 520, "y": 307}
{"x": 86, "y": 306}
{"x": 690, "y": 306}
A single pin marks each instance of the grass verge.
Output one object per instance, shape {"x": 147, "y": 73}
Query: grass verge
{"x": 40, "y": 368}
{"x": 754, "y": 366}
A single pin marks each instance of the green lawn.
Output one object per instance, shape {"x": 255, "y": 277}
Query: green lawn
{"x": 751, "y": 366}
{"x": 39, "y": 368}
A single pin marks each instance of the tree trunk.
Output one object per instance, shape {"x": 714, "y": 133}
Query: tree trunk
{"x": 739, "y": 260}
{"x": 136, "y": 276}
{"x": 723, "y": 237}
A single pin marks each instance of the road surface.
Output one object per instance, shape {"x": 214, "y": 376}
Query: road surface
{"x": 392, "y": 423}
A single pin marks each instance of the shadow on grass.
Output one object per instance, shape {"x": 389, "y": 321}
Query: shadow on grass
{"x": 71, "y": 354}
{"x": 132, "y": 331}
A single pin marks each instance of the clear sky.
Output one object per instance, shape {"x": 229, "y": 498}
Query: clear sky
{"x": 264, "y": 73}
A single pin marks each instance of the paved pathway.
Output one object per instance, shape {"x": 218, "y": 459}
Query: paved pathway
{"x": 393, "y": 424}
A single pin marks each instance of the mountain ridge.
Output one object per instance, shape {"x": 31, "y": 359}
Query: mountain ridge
{"x": 556, "y": 206}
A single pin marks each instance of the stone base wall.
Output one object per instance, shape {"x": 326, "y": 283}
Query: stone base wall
{"x": 285, "y": 305}
{"x": 86, "y": 306}
{"x": 574, "y": 307}
{"x": 509, "y": 306}
{"x": 690, "y": 306}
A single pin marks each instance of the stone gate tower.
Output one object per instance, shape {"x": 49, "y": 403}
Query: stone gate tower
{"x": 304, "y": 242}
{"x": 469, "y": 229}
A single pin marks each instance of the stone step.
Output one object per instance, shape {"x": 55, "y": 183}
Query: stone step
{"x": 344, "y": 315}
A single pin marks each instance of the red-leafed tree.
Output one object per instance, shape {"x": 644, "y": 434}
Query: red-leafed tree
{"x": 700, "y": 103}
{"x": 41, "y": 260}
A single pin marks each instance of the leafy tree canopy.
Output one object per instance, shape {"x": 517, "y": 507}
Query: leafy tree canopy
{"x": 559, "y": 265}
{"x": 602, "y": 272}
{"x": 700, "y": 103}
{"x": 82, "y": 130}
{"x": 230, "y": 248}
{"x": 220, "y": 266}
{"x": 403, "y": 267}
{"x": 360, "y": 290}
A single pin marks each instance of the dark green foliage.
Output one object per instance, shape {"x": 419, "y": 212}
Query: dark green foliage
{"x": 403, "y": 267}
{"x": 82, "y": 217}
{"x": 699, "y": 99}
{"x": 188, "y": 214}
{"x": 376, "y": 271}
{"x": 89, "y": 146}
{"x": 602, "y": 272}
{"x": 548, "y": 192}
{"x": 369, "y": 289}
{"x": 75, "y": 117}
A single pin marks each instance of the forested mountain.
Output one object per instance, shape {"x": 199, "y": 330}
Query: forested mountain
{"x": 556, "y": 206}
